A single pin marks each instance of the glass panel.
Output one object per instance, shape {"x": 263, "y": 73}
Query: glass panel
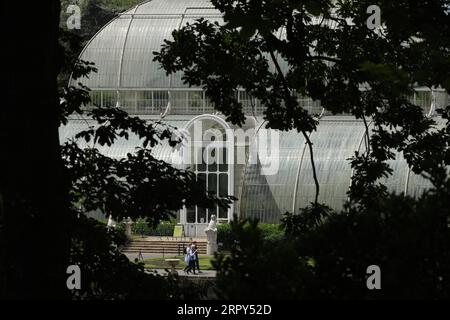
{"x": 96, "y": 98}
{"x": 442, "y": 99}
{"x": 190, "y": 215}
{"x": 209, "y": 106}
{"x": 195, "y": 102}
{"x": 178, "y": 102}
{"x": 212, "y": 183}
{"x": 145, "y": 35}
{"x": 259, "y": 107}
{"x": 144, "y": 102}
{"x": 201, "y": 215}
{"x": 223, "y": 185}
{"x": 423, "y": 100}
{"x": 223, "y": 213}
{"x": 201, "y": 178}
{"x": 267, "y": 197}
{"x": 109, "y": 98}
{"x": 334, "y": 143}
{"x": 312, "y": 106}
{"x": 212, "y": 187}
{"x": 129, "y": 42}
{"x": 128, "y": 101}
{"x": 223, "y": 191}
{"x": 223, "y": 161}
{"x": 247, "y": 102}
{"x": 160, "y": 100}
{"x": 105, "y": 50}
{"x": 212, "y": 160}
{"x": 201, "y": 166}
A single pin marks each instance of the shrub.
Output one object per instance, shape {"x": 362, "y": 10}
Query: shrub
{"x": 269, "y": 232}
{"x": 164, "y": 229}
{"x": 225, "y": 236}
{"x": 325, "y": 254}
{"x": 259, "y": 269}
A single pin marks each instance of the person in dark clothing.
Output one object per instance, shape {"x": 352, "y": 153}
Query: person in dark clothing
{"x": 196, "y": 258}
{"x": 192, "y": 255}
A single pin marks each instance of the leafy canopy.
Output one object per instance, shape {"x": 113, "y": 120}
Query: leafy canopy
{"x": 327, "y": 52}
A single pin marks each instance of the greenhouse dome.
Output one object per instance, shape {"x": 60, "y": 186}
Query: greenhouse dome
{"x": 127, "y": 77}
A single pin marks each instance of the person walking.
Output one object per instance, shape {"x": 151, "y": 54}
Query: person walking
{"x": 193, "y": 257}
{"x": 196, "y": 260}
{"x": 187, "y": 258}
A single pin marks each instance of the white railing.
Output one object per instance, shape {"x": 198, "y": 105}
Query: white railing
{"x": 194, "y": 101}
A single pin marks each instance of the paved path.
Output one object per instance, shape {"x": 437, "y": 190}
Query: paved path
{"x": 133, "y": 255}
{"x": 203, "y": 274}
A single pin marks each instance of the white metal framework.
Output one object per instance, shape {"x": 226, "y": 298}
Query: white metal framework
{"x": 129, "y": 78}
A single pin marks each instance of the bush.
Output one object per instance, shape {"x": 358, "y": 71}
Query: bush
{"x": 271, "y": 232}
{"x": 164, "y": 229}
{"x": 325, "y": 254}
{"x": 259, "y": 269}
{"x": 226, "y": 237}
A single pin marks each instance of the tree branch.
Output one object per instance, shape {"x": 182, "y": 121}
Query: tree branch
{"x": 311, "y": 58}
{"x": 305, "y": 134}
{"x": 367, "y": 135}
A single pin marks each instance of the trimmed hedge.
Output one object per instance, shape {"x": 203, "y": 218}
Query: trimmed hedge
{"x": 226, "y": 239}
{"x": 164, "y": 229}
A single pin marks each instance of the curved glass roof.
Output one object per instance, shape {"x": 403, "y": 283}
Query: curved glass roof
{"x": 335, "y": 141}
{"x": 121, "y": 147}
{"x": 123, "y": 50}
{"x": 127, "y": 75}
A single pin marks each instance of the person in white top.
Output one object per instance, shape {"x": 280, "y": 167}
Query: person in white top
{"x": 187, "y": 258}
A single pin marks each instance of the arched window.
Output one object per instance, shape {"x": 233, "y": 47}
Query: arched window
{"x": 210, "y": 155}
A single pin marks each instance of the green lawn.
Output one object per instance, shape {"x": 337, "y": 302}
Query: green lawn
{"x": 159, "y": 263}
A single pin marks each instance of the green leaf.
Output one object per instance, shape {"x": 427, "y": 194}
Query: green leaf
{"x": 247, "y": 32}
{"x": 313, "y": 7}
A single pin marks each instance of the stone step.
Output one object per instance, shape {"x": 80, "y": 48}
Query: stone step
{"x": 168, "y": 247}
{"x": 165, "y": 241}
{"x": 160, "y": 246}
{"x": 171, "y": 252}
{"x": 155, "y": 247}
{"x": 159, "y": 250}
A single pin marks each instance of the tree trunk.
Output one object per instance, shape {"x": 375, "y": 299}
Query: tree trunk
{"x": 34, "y": 234}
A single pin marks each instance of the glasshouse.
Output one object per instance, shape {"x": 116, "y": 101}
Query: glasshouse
{"x": 128, "y": 78}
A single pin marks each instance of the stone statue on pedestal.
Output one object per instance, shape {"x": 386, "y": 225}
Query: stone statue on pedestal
{"x": 211, "y": 236}
{"x": 128, "y": 223}
{"x": 111, "y": 223}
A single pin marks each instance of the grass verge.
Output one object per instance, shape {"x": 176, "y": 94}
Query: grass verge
{"x": 160, "y": 263}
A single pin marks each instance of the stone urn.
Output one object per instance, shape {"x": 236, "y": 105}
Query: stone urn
{"x": 173, "y": 263}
